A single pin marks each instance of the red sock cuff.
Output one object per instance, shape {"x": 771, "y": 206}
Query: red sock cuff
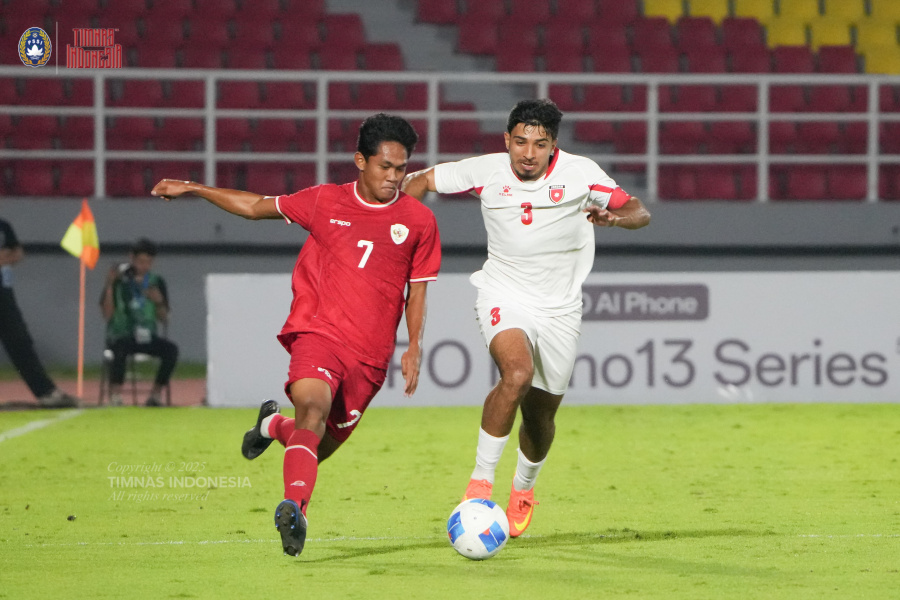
{"x": 305, "y": 438}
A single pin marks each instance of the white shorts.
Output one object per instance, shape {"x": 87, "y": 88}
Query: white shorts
{"x": 554, "y": 340}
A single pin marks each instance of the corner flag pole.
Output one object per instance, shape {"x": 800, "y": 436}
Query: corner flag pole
{"x": 80, "y": 385}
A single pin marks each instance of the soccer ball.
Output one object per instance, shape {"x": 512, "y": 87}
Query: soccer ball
{"x": 478, "y": 529}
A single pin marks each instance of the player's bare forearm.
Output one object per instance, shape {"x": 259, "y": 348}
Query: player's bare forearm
{"x": 418, "y": 183}
{"x": 631, "y": 215}
{"x": 243, "y": 204}
{"x": 415, "y": 323}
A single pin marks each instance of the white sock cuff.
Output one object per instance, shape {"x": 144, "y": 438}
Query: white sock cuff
{"x": 528, "y": 463}
{"x": 264, "y": 426}
{"x": 488, "y": 438}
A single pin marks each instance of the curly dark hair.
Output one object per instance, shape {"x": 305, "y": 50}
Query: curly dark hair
{"x": 385, "y": 128}
{"x": 541, "y": 113}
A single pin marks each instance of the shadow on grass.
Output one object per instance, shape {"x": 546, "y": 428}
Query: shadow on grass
{"x": 579, "y": 539}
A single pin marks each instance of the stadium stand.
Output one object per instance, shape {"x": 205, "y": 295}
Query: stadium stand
{"x": 558, "y": 36}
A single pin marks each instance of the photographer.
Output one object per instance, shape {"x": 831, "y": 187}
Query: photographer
{"x": 134, "y": 300}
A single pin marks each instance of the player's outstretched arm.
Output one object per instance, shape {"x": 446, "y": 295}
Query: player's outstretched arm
{"x": 242, "y": 204}
{"x": 411, "y": 360}
{"x": 418, "y": 183}
{"x": 631, "y": 215}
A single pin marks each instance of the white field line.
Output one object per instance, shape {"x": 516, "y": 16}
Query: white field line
{"x": 365, "y": 539}
{"x": 35, "y": 425}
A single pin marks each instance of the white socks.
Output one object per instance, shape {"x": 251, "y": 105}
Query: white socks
{"x": 487, "y": 456}
{"x": 526, "y": 472}
{"x": 264, "y": 426}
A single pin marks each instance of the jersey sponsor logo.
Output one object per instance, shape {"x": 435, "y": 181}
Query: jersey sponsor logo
{"x": 327, "y": 374}
{"x": 399, "y": 233}
{"x": 35, "y": 47}
{"x": 557, "y": 193}
{"x": 339, "y": 222}
{"x": 353, "y": 413}
{"x": 505, "y": 192}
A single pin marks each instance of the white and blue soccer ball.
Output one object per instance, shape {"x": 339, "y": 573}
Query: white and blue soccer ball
{"x": 478, "y": 529}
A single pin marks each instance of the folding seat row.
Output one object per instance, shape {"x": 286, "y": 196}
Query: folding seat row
{"x": 441, "y": 12}
{"x": 47, "y": 178}
{"x": 266, "y": 178}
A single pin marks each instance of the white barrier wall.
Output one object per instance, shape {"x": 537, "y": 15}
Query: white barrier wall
{"x": 660, "y": 338}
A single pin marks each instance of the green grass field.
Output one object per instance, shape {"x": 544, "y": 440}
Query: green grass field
{"x": 743, "y": 501}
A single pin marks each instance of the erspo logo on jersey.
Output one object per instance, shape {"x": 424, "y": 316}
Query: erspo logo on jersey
{"x": 677, "y": 302}
{"x": 35, "y": 47}
{"x": 94, "y": 49}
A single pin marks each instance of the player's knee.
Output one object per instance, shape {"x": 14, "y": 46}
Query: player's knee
{"x": 518, "y": 378}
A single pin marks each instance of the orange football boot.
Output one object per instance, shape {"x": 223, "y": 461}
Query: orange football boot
{"x": 519, "y": 511}
{"x": 478, "y": 488}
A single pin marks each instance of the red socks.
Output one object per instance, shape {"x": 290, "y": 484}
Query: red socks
{"x": 301, "y": 464}
{"x": 281, "y": 428}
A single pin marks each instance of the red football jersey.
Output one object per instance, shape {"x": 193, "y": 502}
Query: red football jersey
{"x": 350, "y": 277}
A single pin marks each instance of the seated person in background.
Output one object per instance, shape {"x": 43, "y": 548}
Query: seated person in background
{"x": 134, "y": 300}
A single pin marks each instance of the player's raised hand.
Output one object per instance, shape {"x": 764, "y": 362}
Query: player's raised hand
{"x": 601, "y": 217}
{"x": 410, "y": 363}
{"x": 170, "y": 188}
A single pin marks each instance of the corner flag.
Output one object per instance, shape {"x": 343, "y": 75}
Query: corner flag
{"x": 81, "y": 239}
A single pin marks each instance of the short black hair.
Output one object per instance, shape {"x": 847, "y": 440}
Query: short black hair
{"x": 541, "y": 113}
{"x": 385, "y": 128}
{"x": 144, "y": 246}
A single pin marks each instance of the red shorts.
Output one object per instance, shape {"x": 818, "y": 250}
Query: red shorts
{"x": 353, "y": 383}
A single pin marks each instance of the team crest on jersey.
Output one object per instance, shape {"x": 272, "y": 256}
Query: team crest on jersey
{"x": 399, "y": 233}
{"x": 557, "y": 193}
{"x": 35, "y": 47}
{"x": 506, "y": 191}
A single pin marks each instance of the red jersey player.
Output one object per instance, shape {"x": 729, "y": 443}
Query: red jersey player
{"x": 368, "y": 241}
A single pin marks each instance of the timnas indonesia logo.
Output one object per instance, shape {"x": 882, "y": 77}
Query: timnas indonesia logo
{"x": 94, "y": 49}
{"x": 35, "y": 47}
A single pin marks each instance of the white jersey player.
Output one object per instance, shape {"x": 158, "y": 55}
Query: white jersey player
{"x": 538, "y": 204}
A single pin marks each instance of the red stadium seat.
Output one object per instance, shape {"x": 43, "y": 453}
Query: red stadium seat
{"x": 338, "y": 58}
{"x": 477, "y": 36}
{"x": 838, "y": 98}
{"x": 817, "y": 137}
{"x": 76, "y": 178}
{"x": 184, "y": 94}
{"x": 652, "y": 33}
{"x": 344, "y": 30}
{"x": 659, "y": 60}
{"x": 377, "y": 96}
{"x": 130, "y": 133}
{"x": 412, "y": 96}
{"x": 677, "y": 182}
{"x": 616, "y": 13}
{"x": 487, "y": 10}
{"x": 782, "y": 137}
{"x": 246, "y": 59}
{"x": 232, "y": 135}
{"x": 179, "y": 135}
{"x": 302, "y": 36}
{"x": 310, "y": 9}
{"x": 297, "y": 60}
{"x": 215, "y": 7}
{"x": 127, "y": 179}
{"x": 889, "y": 98}
{"x": 742, "y": 35}
{"x": 250, "y": 36}
{"x": 175, "y": 10}
{"x": 34, "y": 132}
{"x": 277, "y": 135}
{"x": 288, "y": 95}
{"x": 837, "y": 59}
{"x": 677, "y": 137}
{"x": 532, "y": 11}
{"x": 211, "y": 30}
{"x": 737, "y": 98}
{"x": 152, "y": 54}
{"x": 438, "y": 12}
{"x": 617, "y": 59}
{"x": 793, "y": 59}
{"x": 692, "y": 98}
{"x": 43, "y": 92}
{"x": 162, "y": 29}
{"x": 521, "y": 61}
{"x": 201, "y": 57}
{"x": 581, "y": 11}
{"x": 567, "y": 97}
{"x": 889, "y": 138}
{"x": 732, "y": 137}
{"x": 597, "y": 132}
{"x": 854, "y": 138}
{"x": 787, "y": 98}
{"x": 717, "y": 182}
{"x": 383, "y": 57}
{"x": 848, "y": 182}
{"x": 77, "y": 133}
{"x": 750, "y": 62}
{"x": 33, "y": 178}
{"x": 525, "y": 39}
{"x": 707, "y": 60}
{"x": 631, "y": 137}
{"x": 238, "y": 94}
{"x": 459, "y": 136}
{"x": 268, "y": 179}
{"x": 695, "y": 33}
{"x": 806, "y": 183}
{"x": 135, "y": 92}
{"x": 556, "y": 61}
{"x": 889, "y": 182}
{"x": 597, "y": 39}
{"x": 606, "y": 98}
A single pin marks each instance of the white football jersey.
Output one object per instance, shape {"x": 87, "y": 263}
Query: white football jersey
{"x": 540, "y": 243}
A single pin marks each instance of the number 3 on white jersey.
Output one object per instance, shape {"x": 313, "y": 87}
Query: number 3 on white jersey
{"x": 368, "y": 246}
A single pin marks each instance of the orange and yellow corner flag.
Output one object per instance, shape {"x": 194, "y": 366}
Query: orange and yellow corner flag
{"x": 81, "y": 239}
